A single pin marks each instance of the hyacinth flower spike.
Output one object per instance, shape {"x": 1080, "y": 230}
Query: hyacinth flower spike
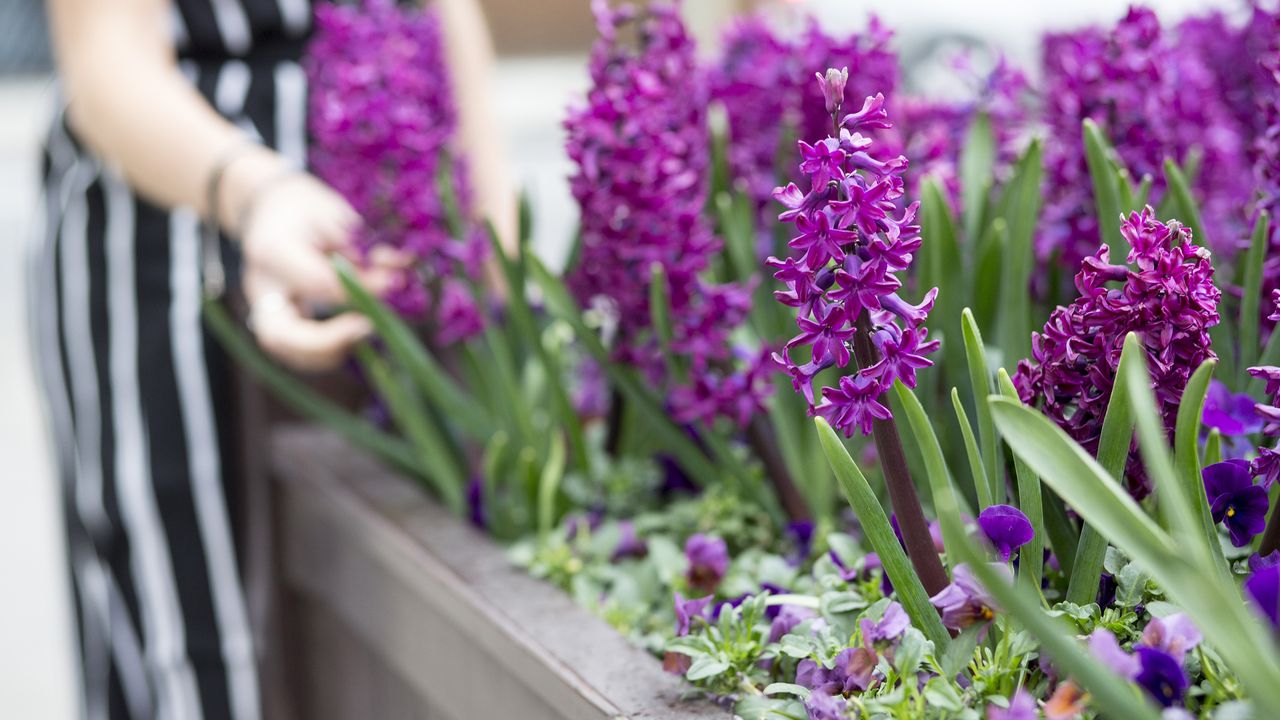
{"x": 851, "y": 238}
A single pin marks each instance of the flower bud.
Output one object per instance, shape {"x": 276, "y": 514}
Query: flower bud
{"x": 833, "y": 87}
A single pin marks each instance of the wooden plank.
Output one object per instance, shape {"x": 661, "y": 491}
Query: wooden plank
{"x": 438, "y": 603}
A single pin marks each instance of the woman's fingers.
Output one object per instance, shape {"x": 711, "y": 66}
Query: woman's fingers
{"x": 310, "y": 345}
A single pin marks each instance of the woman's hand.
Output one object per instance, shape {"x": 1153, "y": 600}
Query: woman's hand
{"x": 292, "y": 223}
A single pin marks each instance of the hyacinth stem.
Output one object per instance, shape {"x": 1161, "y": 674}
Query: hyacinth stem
{"x": 1271, "y": 536}
{"x": 902, "y": 490}
{"x": 762, "y": 437}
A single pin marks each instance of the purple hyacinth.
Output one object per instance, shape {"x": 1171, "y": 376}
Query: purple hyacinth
{"x": 841, "y": 274}
{"x": 1165, "y": 294}
{"x": 1006, "y": 527}
{"x": 1267, "y": 464}
{"x": 1235, "y": 501}
{"x": 708, "y": 558}
{"x": 383, "y": 129}
{"x": 641, "y": 148}
{"x": 1262, "y": 589}
{"x": 1022, "y": 706}
{"x": 764, "y": 82}
{"x": 1151, "y": 98}
{"x": 965, "y": 602}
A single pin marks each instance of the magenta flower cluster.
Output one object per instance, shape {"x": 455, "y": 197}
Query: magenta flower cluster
{"x": 642, "y": 150}
{"x": 840, "y": 276}
{"x": 1267, "y": 464}
{"x": 763, "y": 81}
{"x": 383, "y": 127}
{"x": 1167, "y": 297}
{"x": 1153, "y": 99}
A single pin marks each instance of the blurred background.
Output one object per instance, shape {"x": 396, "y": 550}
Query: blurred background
{"x": 542, "y": 47}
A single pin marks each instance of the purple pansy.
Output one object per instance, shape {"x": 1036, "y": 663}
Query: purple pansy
{"x": 965, "y": 602}
{"x": 787, "y": 619}
{"x": 1234, "y": 501}
{"x": 1231, "y": 413}
{"x": 1175, "y": 634}
{"x": 1161, "y": 675}
{"x": 689, "y": 610}
{"x": 630, "y": 544}
{"x": 708, "y": 558}
{"x": 1022, "y": 706}
{"x": 1263, "y": 591}
{"x": 1105, "y": 647}
{"x": 1006, "y": 527}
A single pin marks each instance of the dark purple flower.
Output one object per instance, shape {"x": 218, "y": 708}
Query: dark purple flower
{"x": 1262, "y": 588}
{"x": 1006, "y": 527}
{"x": 689, "y": 610}
{"x": 1161, "y": 675}
{"x": 823, "y": 705}
{"x": 892, "y": 623}
{"x": 800, "y": 533}
{"x": 630, "y": 545}
{"x": 1166, "y": 296}
{"x": 475, "y": 503}
{"x": 1022, "y": 706}
{"x": 1257, "y": 561}
{"x": 965, "y": 602}
{"x": 1231, "y": 413}
{"x": 1235, "y": 501}
{"x": 708, "y": 558}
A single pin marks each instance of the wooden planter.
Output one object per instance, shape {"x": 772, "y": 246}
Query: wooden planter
{"x": 395, "y": 609}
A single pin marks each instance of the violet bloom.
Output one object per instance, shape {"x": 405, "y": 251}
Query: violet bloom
{"x": 1235, "y": 501}
{"x": 1161, "y": 675}
{"x": 1175, "y": 635}
{"x": 787, "y": 619}
{"x": 888, "y": 628}
{"x": 965, "y": 602}
{"x": 384, "y": 135}
{"x": 823, "y": 705}
{"x": 1006, "y": 527}
{"x": 852, "y": 240}
{"x": 1165, "y": 294}
{"x": 1231, "y": 413}
{"x": 708, "y": 558}
{"x": 641, "y": 148}
{"x": 689, "y": 610}
{"x": 1022, "y": 706}
{"x": 1155, "y": 100}
{"x": 1262, "y": 589}
{"x": 1104, "y": 646}
{"x": 630, "y": 545}
{"x": 476, "y": 511}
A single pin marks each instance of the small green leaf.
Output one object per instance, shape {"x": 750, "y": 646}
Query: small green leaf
{"x": 1184, "y": 205}
{"x": 799, "y": 691}
{"x": 549, "y": 485}
{"x": 946, "y": 504}
{"x": 980, "y": 387}
{"x": 1106, "y": 193}
{"x": 704, "y": 668}
{"x": 977, "y": 475}
{"x": 1031, "y": 562}
{"x": 1253, "y": 260}
{"x": 1187, "y": 457}
{"x": 977, "y": 157}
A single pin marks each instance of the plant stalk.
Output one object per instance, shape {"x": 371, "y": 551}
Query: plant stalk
{"x": 902, "y": 490}
{"x": 762, "y": 436}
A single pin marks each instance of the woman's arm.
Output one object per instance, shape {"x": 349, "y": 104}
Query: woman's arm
{"x": 470, "y": 57}
{"x": 129, "y": 102}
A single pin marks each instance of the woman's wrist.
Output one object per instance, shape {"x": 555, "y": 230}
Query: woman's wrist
{"x": 241, "y": 180}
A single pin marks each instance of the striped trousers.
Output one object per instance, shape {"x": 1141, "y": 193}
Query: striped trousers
{"x": 136, "y": 393}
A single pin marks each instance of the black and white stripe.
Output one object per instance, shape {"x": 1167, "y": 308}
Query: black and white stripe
{"x": 132, "y": 384}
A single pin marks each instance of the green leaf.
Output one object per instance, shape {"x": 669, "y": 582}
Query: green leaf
{"x": 549, "y": 486}
{"x": 704, "y": 668}
{"x": 1021, "y": 212}
{"x": 1186, "y": 444}
{"x": 960, "y": 654}
{"x": 1106, "y": 193}
{"x": 977, "y": 474}
{"x": 945, "y": 502}
{"x": 1111, "y": 694}
{"x": 302, "y": 399}
{"x": 1184, "y": 576}
{"x": 430, "y": 445}
{"x": 1061, "y": 532}
{"x": 1184, "y": 205}
{"x": 799, "y": 691}
{"x": 1213, "y": 448}
{"x": 1031, "y": 563}
{"x": 1113, "y": 456}
{"x": 660, "y": 313}
{"x": 408, "y": 351}
{"x": 1248, "y": 324}
{"x": 977, "y": 157}
{"x": 658, "y": 423}
{"x": 880, "y": 535}
{"x": 980, "y": 387}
